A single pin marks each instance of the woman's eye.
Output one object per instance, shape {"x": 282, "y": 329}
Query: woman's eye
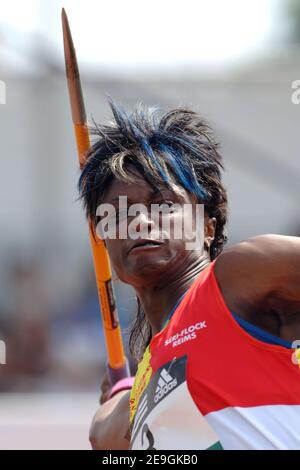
{"x": 168, "y": 203}
{"x": 167, "y": 207}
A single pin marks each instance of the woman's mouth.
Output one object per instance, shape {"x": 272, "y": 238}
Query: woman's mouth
{"x": 145, "y": 245}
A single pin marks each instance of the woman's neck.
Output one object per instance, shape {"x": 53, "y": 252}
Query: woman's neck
{"x": 158, "y": 301}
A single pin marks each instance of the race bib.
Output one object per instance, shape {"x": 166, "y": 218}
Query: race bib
{"x": 167, "y": 417}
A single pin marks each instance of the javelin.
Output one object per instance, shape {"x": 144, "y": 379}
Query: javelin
{"x": 117, "y": 362}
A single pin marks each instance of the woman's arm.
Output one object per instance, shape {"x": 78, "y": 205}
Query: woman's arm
{"x": 263, "y": 274}
{"x": 110, "y": 426}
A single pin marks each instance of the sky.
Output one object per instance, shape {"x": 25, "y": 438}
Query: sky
{"x": 160, "y": 33}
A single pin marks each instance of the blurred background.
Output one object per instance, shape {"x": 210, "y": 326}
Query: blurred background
{"x": 234, "y": 62}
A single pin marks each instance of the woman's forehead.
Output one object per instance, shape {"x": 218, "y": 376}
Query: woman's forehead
{"x": 140, "y": 188}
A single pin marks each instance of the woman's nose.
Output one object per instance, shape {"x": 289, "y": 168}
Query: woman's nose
{"x": 144, "y": 221}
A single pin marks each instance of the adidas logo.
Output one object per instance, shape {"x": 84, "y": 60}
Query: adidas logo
{"x": 165, "y": 384}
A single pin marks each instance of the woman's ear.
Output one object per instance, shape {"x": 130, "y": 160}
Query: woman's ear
{"x": 209, "y": 227}
{"x": 209, "y": 232}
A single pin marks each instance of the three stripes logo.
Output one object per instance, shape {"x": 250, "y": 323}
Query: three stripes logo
{"x": 165, "y": 384}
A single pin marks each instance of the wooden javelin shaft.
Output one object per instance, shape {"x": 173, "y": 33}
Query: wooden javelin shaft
{"x": 117, "y": 362}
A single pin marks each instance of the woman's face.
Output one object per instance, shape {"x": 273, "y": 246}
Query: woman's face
{"x": 157, "y": 245}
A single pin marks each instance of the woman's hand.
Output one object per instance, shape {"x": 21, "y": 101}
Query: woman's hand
{"x": 110, "y": 426}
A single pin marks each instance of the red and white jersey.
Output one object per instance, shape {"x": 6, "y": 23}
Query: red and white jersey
{"x": 205, "y": 383}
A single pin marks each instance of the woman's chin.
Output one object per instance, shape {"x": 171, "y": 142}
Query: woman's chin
{"x": 144, "y": 271}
